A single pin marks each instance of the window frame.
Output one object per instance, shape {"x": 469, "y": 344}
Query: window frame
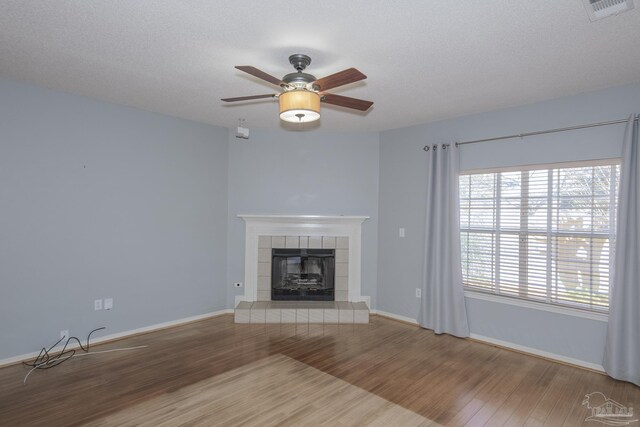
{"x": 566, "y": 307}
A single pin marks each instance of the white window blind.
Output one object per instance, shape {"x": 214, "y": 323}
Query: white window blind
{"x": 542, "y": 234}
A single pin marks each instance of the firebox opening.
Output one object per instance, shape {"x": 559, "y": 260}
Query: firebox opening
{"x": 303, "y": 274}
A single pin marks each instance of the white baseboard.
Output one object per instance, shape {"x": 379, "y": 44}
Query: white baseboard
{"x": 111, "y": 337}
{"x": 508, "y": 345}
{"x": 394, "y": 316}
{"x": 158, "y": 326}
{"x": 540, "y": 353}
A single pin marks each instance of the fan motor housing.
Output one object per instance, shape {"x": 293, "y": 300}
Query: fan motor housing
{"x": 299, "y": 79}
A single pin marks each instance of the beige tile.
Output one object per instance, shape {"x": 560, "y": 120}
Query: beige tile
{"x": 292, "y": 242}
{"x": 344, "y": 305}
{"x": 315, "y": 242}
{"x": 244, "y": 305}
{"x": 264, "y": 242}
{"x": 342, "y": 269}
{"x": 361, "y": 316}
{"x": 242, "y": 313}
{"x": 302, "y": 315}
{"x": 307, "y": 304}
{"x": 342, "y": 243}
{"x": 288, "y": 315}
{"x": 277, "y": 241}
{"x": 272, "y": 315}
{"x": 264, "y": 255}
{"x": 304, "y": 242}
{"x": 242, "y": 316}
{"x": 264, "y": 283}
{"x": 342, "y": 284}
{"x": 341, "y": 295}
{"x": 282, "y": 304}
{"x": 328, "y": 242}
{"x": 342, "y": 255}
{"x": 360, "y": 312}
{"x": 258, "y": 308}
{"x": 331, "y": 315}
{"x": 316, "y": 315}
{"x": 346, "y": 315}
{"x": 360, "y": 305}
{"x": 264, "y": 295}
{"x": 257, "y": 315}
{"x": 264, "y": 269}
{"x": 326, "y": 304}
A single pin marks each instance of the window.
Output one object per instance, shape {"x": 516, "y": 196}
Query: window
{"x": 543, "y": 233}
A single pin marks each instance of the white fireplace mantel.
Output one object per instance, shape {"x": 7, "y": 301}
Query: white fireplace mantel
{"x": 303, "y": 225}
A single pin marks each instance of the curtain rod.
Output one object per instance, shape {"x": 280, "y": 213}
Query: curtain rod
{"x": 541, "y": 132}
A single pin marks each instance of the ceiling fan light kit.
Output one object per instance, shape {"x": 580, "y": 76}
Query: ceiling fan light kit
{"x": 302, "y": 92}
{"x": 299, "y": 106}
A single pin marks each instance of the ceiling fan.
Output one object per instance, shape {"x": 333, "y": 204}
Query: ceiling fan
{"x": 302, "y": 93}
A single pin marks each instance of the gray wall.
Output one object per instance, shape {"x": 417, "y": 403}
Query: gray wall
{"x": 303, "y": 173}
{"x": 97, "y": 201}
{"x": 402, "y": 204}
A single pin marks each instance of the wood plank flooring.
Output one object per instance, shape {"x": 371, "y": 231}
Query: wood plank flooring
{"x": 444, "y": 379}
{"x": 273, "y": 391}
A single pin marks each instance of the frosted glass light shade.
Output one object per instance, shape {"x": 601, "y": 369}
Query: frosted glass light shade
{"x": 299, "y": 106}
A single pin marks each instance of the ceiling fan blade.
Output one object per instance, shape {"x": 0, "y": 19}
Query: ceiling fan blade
{"x": 345, "y": 101}
{"x": 341, "y": 78}
{"x": 246, "y": 98}
{"x": 261, "y": 75}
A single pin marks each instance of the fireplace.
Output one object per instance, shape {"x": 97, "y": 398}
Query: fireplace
{"x": 303, "y": 274}
{"x": 263, "y": 233}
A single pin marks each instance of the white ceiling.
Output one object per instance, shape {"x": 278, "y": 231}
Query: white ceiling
{"x": 425, "y": 60}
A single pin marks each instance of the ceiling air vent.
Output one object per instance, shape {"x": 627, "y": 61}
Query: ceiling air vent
{"x": 598, "y": 9}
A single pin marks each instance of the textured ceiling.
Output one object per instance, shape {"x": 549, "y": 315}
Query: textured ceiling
{"x": 425, "y": 60}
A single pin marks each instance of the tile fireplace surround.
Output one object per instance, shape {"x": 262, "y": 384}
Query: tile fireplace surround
{"x": 264, "y": 232}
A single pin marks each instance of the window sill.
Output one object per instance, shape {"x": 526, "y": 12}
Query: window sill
{"x": 568, "y": 311}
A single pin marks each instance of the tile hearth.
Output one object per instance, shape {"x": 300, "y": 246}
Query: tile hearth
{"x": 301, "y": 312}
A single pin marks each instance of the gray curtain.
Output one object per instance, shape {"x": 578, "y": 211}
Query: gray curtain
{"x": 442, "y": 306}
{"x": 622, "y": 350}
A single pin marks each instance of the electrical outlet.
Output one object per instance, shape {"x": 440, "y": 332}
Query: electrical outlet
{"x": 418, "y": 293}
{"x": 401, "y": 232}
{"x": 108, "y": 303}
{"x": 97, "y": 304}
{"x": 237, "y": 284}
{"x": 64, "y": 333}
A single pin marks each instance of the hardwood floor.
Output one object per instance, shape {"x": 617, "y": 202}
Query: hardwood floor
{"x": 441, "y": 378}
{"x": 276, "y": 390}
